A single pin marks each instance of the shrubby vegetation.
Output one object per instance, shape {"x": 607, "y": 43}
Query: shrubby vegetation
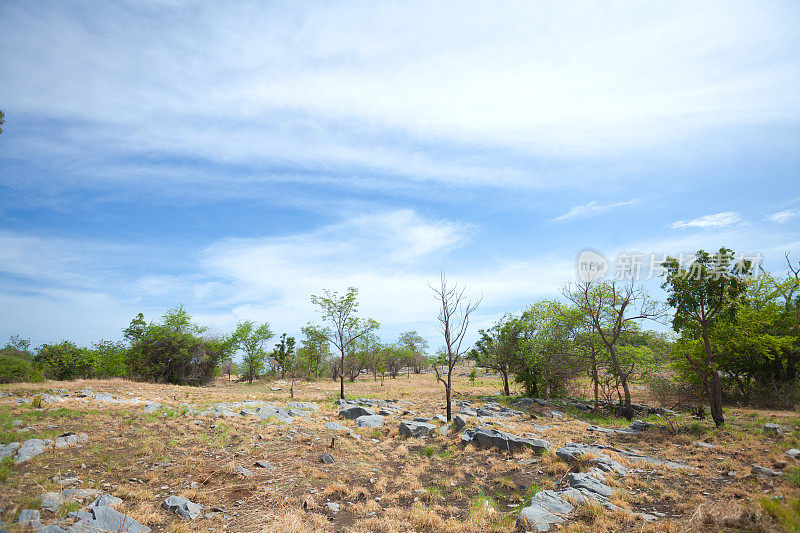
{"x": 735, "y": 338}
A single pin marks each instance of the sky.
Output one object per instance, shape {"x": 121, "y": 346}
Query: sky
{"x": 238, "y": 157}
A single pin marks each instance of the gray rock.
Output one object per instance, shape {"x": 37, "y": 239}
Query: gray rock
{"x": 263, "y": 464}
{"x": 326, "y": 458}
{"x": 182, "y": 507}
{"x": 151, "y": 408}
{"x": 103, "y": 397}
{"x": 440, "y": 418}
{"x": 794, "y": 453}
{"x": 104, "y": 518}
{"x": 415, "y": 429}
{"x": 369, "y": 421}
{"x": 70, "y": 439}
{"x": 106, "y": 500}
{"x": 640, "y": 425}
{"x": 459, "y": 423}
{"x": 556, "y": 414}
{"x": 51, "y": 501}
{"x": 332, "y": 507}
{"x": 7, "y": 450}
{"x": 28, "y": 517}
{"x": 80, "y": 494}
{"x": 466, "y": 411}
{"x": 351, "y": 412}
{"x": 587, "y": 482}
{"x": 242, "y": 471}
{"x": 299, "y": 413}
{"x": 305, "y": 406}
{"x": 761, "y": 471}
{"x": 336, "y": 426}
{"x": 570, "y": 453}
{"x": 30, "y": 449}
{"x": 773, "y": 430}
{"x": 545, "y": 509}
{"x": 16, "y": 423}
{"x": 503, "y": 441}
{"x": 706, "y": 445}
{"x": 49, "y": 398}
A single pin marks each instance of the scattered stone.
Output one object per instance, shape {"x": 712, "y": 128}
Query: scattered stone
{"x": 761, "y": 471}
{"x": 16, "y": 423}
{"x": 51, "y": 501}
{"x": 263, "y": 464}
{"x": 326, "y": 458}
{"x": 28, "y": 517}
{"x": 70, "y": 439}
{"x": 587, "y": 482}
{"x": 773, "y": 430}
{"x": 66, "y": 478}
{"x": 794, "y": 453}
{"x": 104, "y": 518}
{"x": 705, "y": 445}
{"x": 459, "y": 423}
{"x": 7, "y": 450}
{"x": 151, "y": 408}
{"x": 440, "y": 418}
{"x": 352, "y": 412}
{"x": 556, "y": 414}
{"x": 106, "y": 499}
{"x": 503, "y": 441}
{"x": 242, "y": 471}
{"x": 333, "y": 507}
{"x": 545, "y": 509}
{"x": 305, "y": 406}
{"x": 416, "y": 429}
{"x": 182, "y": 507}
{"x": 336, "y": 426}
{"x": 466, "y": 411}
{"x": 369, "y": 421}
{"x": 30, "y": 449}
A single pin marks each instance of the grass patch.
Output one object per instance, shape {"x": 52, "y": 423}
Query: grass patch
{"x": 785, "y": 514}
{"x": 6, "y": 468}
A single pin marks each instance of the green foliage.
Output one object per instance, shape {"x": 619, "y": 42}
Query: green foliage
{"x": 283, "y": 355}
{"x": 6, "y": 468}
{"x": 14, "y": 369}
{"x": 785, "y": 513}
{"x": 109, "y": 359}
{"x": 64, "y": 361}
{"x": 2, "y": 120}
{"x": 251, "y": 338}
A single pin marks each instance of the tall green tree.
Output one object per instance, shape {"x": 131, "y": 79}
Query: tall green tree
{"x": 283, "y": 355}
{"x": 314, "y": 350}
{"x": 705, "y": 295}
{"x": 340, "y": 313}
{"x": 498, "y": 347}
{"x": 417, "y": 348}
{"x": 251, "y": 339}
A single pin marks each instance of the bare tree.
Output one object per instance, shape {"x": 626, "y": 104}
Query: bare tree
{"x": 453, "y": 323}
{"x": 610, "y": 306}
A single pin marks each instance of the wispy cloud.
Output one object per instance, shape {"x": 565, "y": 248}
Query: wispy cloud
{"x": 718, "y": 220}
{"x": 592, "y": 209}
{"x": 781, "y": 217}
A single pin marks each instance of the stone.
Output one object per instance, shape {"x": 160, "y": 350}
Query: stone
{"x": 105, "y": 518}
{"x": 51, "y": 501}
{"x": 587, "y": 482}
{"x": 705, "y": 445}
{"x": 332, "y": 507}
{"x": 107, "y": 500}
{"x": 305, "y": 406}
{"x": 440, "y": 418}
{"x": 151, "y": 408}
{"x": 16, "y": 423}
{"x": 794, "y": 453}
{"x": 351, "y": 412}
{"x": 263, "y": 464}
{"x": 369, "y": 421}
{"x": 761, "y": 471}
{"x": 545, "y": 509}
{"x": 242, "y": 471}
{"x": 182, "y": 507}
{"x": 773, "y": 430}
{"x": 28, "y": 517}
{"x": 640, "y": 425}
{"x": 780, "y": 465}
{"x": 7, "y": 450}
{"x": 80, "y": 494}
{"x": 49, "y": 398}
{"x": 503, "y": 441}
{"x": 66, "y": 478}
{"x": 30, "y": 449}
{"x": 570, "y": 453}
{"x": 336, "y": 426}
{"x": 415, "y": 429}
{"x": 326, "y": 458}
{"x": 466, "y": 411}
{"x": 459, "y": 423}
{"x": 70, "y": 439}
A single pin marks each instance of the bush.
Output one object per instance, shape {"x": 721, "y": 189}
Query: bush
{"x": 15, "y": 369}
{"x": 64, "y": 361}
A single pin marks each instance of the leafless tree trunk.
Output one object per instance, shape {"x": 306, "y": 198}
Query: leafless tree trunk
{"x": 453, "y": 323}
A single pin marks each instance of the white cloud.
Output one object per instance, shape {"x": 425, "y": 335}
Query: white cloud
{"x": 781, "y": 217}
{"x": 593, "y": 208}
{"x": 718, "y": 220}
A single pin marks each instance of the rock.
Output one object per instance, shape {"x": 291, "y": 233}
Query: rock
{"x": 49, "y": 398}
{"x": 640, "y": 425}
{"x": 570, "y": 453}
{"x": 466, "y": 411}
{"x": 182, "y": 507}
{"x": 545, "y": 509}
{"x": 351, "y": 412}
{"x": 28, "y": 517}
{"x": 30, "y": 449}
{"x": 332, "y": 507}
{"x": 80, "y": 494}
{"x": 440, "y": 418}
{"x": 70, "y": 439}
{"x": 556, "y": 414}
{"x": 761, "y": 471}
{"x": 503, "y": 441}
{"x": 242, "y": 471}
{"x": 66, "y": 478}
{"x": 780, "y": 465}
{"x": 16, "y": 423}
{"x": 794, "y": 453}
{"x": 705, "y": 445}
{"x": 587, "y": 482}
{"x": 151, "y": 408}
{"x": 299, "y": 413}
{"x": 369, "y": 421}
{"x": 336, "y": 426}
{"x": 773, "y": 430}
{"x": 104, "y": 518}
{"x": 415, "y": 429}
{"x": 326, "y": 458}
{"x": 107, "y": 500}
{"x": 263, "y": 464}
{"x": 51, "y": 501}
{"x": 102, "y": 397}
{"x": 305, "y": 406}
{"x": 7, "y": 450}
{"x": 459, "y": 423}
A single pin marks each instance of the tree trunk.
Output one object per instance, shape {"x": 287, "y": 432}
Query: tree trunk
{"x": 626, "y": 389}
{"x": 505, "y": 382}
{"x": 341, "y": 379}
{"x": 595, "y": 379}
{"x": 449, "y": 373}
{"x": 716, "y": 400}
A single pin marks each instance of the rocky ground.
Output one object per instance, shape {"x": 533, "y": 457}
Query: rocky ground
{"x": 124, "y": 456}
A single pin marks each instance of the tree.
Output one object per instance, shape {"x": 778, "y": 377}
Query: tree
{"x": 252, "y": 338}
{"x": 283, "y": 355}
{"x": 136, "y": 329}
{"x": 704, "y": 296}
{"x": 314, "y": 350}
{"x": 497, "y": 348}
{"x": 417, "y": 346}
{"x": 454, "y": 312}
{"x": 339, "y": 311}
{"x": 2, "y": 120}
{"x": 109, "y": 359}
{"x": 63, "y": 361}
{"x": 612, "y": 306}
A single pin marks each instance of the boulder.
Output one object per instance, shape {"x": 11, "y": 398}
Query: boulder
{"x": 70, "y": 439}
{"x": 773, "y": 430}
{"x": 415, "y": 429}
{"x": 459, "y": 423}
{"x": 305, "y": 406}
{"x": 369, "y": 421}
{"x": 182, "y": 507}
{"x": 586, "y": 482}
{"x": 51, "y": 501}
{"x": 106, "y": 500}
{"x": 104, "y": 518}
{"x": 28, "y": 517}
{"x": 545, "y": 509}
{"x": 503, "y": 441}
{"x": 7, "y": 450}
{"x": 351, "y": 412}
{"x": 30, "y": 449}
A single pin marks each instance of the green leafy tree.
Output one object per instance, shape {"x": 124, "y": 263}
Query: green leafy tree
{"x": 417, "y": 348}
{"x": 251, "y": 339}
{"x": 283, "y": 355}
{"x": 136, "y": 329}
{"x": 705, "y": 296}
{"x": 498, "y": 347}
{"x": 339, "y": 311}
{"x": 314, "y": 350}
{"x": 109, "y": 359}
{"x": 64, "y": 361}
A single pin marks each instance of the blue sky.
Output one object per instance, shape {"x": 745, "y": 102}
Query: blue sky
{"x": 238, "y": 157}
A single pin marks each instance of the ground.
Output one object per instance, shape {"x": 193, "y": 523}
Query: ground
{"x": 382, "y": 481}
